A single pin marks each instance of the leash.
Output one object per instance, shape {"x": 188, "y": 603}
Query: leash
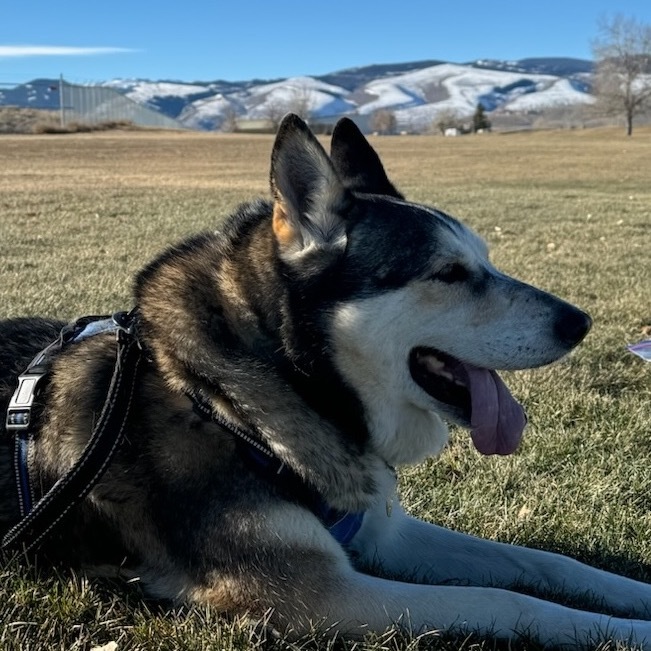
{"x": 41, "y": 517}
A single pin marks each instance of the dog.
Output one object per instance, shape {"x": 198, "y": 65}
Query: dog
{"x": 286, "y": 366}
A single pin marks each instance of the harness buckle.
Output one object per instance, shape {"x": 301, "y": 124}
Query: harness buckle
{"x": 124, "y": 322}
{"x": 19, "y": 412}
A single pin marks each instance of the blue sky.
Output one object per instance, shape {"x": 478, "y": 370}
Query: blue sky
{"x": 238, "y": 40}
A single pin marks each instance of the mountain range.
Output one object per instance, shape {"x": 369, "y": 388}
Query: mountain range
{"x": 416, "y": 92}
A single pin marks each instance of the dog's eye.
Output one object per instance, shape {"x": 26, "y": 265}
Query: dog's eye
{"x": 452, "y": 273}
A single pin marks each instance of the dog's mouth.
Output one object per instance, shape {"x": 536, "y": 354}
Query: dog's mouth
{"x": 473, "y": 397}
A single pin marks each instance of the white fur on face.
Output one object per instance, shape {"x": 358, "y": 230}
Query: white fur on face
{"x": 503, "y": 325}
{"x": 372, "y": 353}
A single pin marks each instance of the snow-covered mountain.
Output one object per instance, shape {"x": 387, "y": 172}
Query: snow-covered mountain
{"x": 418, "y": 97}
{"x": 415, "y": 92}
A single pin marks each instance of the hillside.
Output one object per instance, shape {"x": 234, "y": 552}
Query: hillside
{"x": 416, "y": 92}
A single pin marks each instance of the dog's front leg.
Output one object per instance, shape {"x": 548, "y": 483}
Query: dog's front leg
{"x": 366, "y": 603}
{"x": 400, "y": 545}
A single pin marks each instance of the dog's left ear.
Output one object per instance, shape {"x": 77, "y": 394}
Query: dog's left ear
{"x": 357, "y": 163}
{"x": 310, "y": 200}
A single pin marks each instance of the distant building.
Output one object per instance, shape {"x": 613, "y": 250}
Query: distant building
{"x": 243, "y": 125}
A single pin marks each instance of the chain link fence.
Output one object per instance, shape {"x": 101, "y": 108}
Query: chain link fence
{"x": 83, "y": 104}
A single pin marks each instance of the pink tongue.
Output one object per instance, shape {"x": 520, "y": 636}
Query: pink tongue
{"x": 497, "y": 420}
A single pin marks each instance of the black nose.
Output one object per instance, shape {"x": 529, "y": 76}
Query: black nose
{"x": 571, "y": 325}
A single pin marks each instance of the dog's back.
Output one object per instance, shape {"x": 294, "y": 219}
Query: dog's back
{"x": 20, "y": 340}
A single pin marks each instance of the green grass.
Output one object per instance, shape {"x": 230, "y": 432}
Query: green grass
{"x": 568, "y": 211}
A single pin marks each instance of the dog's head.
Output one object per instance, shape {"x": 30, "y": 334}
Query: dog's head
{"x": 413, "y": 314}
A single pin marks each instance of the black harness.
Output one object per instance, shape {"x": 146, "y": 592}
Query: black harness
{"x": 40, "y": 517}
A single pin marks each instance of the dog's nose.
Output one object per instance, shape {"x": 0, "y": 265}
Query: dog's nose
{"x": 572, "y": 325}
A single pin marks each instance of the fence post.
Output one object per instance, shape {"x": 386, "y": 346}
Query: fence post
{"x": 62, "y": 109}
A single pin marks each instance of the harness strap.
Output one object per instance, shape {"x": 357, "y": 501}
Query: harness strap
{"x": 342, "y": 525}
{"x": 39, "y": 520}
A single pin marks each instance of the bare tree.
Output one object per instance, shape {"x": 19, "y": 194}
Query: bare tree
{"x": 623, "y": 75}
{"x": 229, "y": 123}
{"x": 447, "y": 119}
{"x": 274, "y": 112}
{"x": 383, "y": 121}
{"x": 299, "y": 101}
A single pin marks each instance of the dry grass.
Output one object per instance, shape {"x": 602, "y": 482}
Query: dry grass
{"x": 569, "y": 211}
{"x": 19, "y": 120}
{"x": 14, "y": 119}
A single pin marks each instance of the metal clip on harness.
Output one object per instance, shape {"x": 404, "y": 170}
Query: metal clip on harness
{"x": 19, "y": 413}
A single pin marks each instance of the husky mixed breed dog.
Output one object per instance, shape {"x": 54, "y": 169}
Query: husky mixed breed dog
{"x": 337, "y": 329}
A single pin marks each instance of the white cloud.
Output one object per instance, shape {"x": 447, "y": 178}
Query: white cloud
{"x": 7, "y": 51}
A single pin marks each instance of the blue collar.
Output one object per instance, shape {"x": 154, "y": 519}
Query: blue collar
{"x": 342, "y": 525}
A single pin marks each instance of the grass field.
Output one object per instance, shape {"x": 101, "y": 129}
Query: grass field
{"x": 569, "y": 211}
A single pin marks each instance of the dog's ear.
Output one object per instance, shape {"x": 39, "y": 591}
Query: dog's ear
{"x": 310, "y": 201}
{"x": 357, "y": 163}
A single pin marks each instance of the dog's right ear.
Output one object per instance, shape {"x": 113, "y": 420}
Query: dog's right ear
{"x": 309, "y": 199}
{"x": 357, "y": 163}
